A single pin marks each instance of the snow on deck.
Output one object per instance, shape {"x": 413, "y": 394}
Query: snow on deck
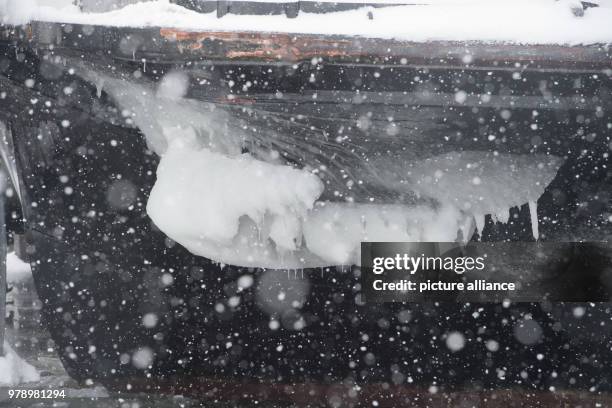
{"x": 511, "y": 21}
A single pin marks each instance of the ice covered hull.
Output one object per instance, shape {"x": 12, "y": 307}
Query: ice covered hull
{"x": 127, "y": 306}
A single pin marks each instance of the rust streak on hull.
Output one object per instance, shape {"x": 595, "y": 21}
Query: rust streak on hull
{"x": 289, "y": 47}
{"x": 262, "y": 46}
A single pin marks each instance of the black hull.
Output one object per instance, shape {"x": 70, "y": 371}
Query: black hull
{"x": 101, "y": 267}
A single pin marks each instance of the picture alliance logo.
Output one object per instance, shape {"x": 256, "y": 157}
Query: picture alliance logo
{"x": 413, "y": 264}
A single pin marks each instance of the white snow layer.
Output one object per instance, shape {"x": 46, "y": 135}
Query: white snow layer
{"x": 14, "y": 370}
{"x": 16, "y": 269}
{"x": 514, "y": 21}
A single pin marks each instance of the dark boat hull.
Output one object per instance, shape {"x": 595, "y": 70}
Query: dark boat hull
{"x": 125, "y": 305}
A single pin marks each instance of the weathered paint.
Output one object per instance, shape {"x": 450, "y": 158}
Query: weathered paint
{"x": 273, "y": 46}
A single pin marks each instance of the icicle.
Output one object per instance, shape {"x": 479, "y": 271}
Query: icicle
{"x": 533, "y": 211}
{"x": 480, "y": 223}
{"x": 467, "y": 229}
{"x": 99, "y": 86}
{"x": 504, "y": 215}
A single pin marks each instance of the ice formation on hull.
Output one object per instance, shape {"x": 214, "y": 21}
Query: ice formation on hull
{"x": 334, "y": 231}
{"x": 243, "y": 209}
{"x": 246, "y": 212}
{"x": 209, "y": 202}
{"x": 163, "y": 114}
{"x": 480, "y": 183}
